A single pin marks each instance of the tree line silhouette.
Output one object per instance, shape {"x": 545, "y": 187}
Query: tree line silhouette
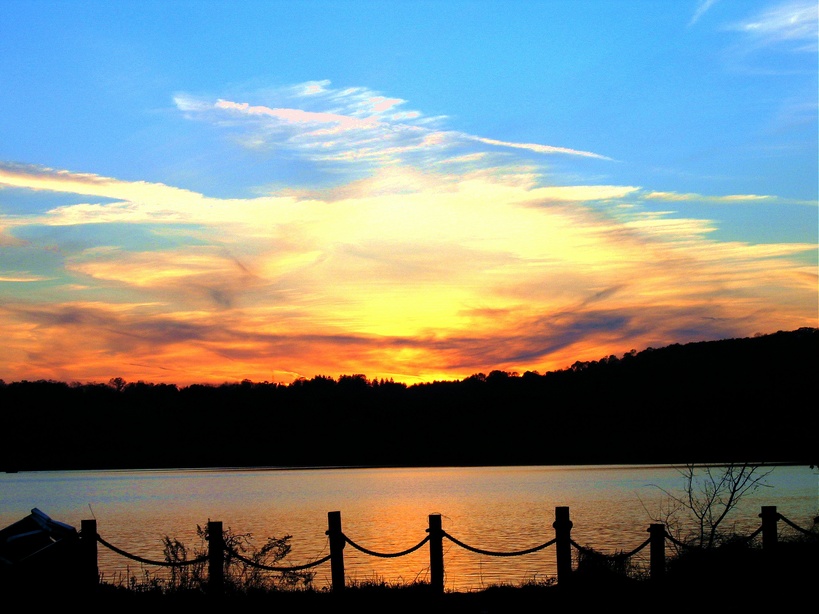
{"x": 749, "y": 399}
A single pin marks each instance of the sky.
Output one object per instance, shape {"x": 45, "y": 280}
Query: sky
{"x": 212, "y": 191}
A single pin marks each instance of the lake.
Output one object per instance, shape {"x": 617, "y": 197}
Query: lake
{"x": 386, "y": 510}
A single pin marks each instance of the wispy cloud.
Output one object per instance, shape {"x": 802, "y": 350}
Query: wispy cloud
{"x": 690, "y": 196}
{"x": 725, "y": 199}
{"x": 776, "y": 40}
{"x": 41, "y": 178}
{"x": 702, "y": 7}
{"x": 794, "y": 22}
{"x": 344, "y": 125}
{"x": 23, "y": 278}
{"x": 544, "y": 149}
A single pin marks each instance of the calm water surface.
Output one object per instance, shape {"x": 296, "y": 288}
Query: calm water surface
{"x": 500, "y": 509}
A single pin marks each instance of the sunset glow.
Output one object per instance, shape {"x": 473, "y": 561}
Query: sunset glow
{"x": 220, "y": 200}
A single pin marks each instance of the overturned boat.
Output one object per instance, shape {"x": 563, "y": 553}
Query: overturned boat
{"x": 37, "y": 548}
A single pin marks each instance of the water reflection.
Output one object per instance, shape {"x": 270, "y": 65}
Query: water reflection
{"x": 500, "y": 509}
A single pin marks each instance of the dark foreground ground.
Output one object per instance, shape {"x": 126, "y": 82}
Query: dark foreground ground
{"x": 708, "y": 596}
{"x": 746, "y": 580}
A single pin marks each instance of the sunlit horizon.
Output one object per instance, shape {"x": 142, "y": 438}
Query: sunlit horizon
{"x": 201, "y": 193}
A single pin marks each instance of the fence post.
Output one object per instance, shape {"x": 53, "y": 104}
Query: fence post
{"x": 337, "y": 543}
{"x": 436, "y": 553}
{"x": 769, "y": 517}
{"x": 563, "y": 545}
{"x": 89, "y": 568}
{"x": 657, "y": 551}
{"x": 216, "y": 555}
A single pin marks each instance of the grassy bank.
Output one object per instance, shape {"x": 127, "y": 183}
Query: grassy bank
{"x": 724, "y": 578}
{"x": 734, "y": 575}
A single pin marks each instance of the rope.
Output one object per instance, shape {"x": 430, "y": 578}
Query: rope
{"x": 490, "y": 553}
{"x": 753, "y": 535}
{"x": 295, "y": 568}
{"x": 619, "y": 555}
{"x": 746, "y": 538}
{"x": 134, "y": 557}
{"x": 798, "y": 528}
{"x": 637, "y": 549}
{"x": 381, "y": 554}
{"x": 278, "y": 569}
{"x": 677, "y": 542}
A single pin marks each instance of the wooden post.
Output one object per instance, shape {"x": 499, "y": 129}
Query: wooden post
{"x": 216, "y": 557}
{"x": 337, "y": 543}
{"x": 89, "y": 567}
{"x": 657, "y": 550}
{"x": 769, "y": 517}
{"x": 436, "y": 553}
{"x": 563, "y": 546}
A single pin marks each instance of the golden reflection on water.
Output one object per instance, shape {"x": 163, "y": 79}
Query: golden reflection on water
{"x": 498, "y": 509}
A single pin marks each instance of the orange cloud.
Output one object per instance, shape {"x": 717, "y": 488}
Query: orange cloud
{"x": 406, "y": 275}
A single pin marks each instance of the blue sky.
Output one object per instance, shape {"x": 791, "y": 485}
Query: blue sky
{"x": 210, "y": 191}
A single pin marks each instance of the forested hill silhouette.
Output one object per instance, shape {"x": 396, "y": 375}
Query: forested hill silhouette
{"x": 750, "y": 399}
